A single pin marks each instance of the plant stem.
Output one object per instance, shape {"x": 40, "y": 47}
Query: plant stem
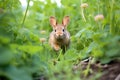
{"x": 98, "y": 7}
{"x": 25, "y": 13}
{"x": 111, "y": 16}
{"x": 82, "y": 13}
{"x": 59, "y": 55}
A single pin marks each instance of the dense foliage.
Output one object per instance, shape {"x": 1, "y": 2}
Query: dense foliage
{"x": 24, "y": 31}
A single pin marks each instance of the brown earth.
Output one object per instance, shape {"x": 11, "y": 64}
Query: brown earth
{"x": 109, "y": 71}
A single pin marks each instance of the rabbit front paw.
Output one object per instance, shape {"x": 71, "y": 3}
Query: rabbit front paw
{"x": 56, "y": 48}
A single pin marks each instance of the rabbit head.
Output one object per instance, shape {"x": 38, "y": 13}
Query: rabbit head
{"x": 59, "y": 29}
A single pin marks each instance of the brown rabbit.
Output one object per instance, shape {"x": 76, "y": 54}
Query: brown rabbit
{"x": 59, "y": 37}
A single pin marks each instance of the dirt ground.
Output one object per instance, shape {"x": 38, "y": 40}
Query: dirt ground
{"x": 109, "y": 71}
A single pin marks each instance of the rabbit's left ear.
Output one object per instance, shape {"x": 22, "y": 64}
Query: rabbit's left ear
{"x": 66, "y": 20}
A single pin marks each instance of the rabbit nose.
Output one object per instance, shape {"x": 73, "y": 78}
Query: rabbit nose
{"x": 59, "y": 34}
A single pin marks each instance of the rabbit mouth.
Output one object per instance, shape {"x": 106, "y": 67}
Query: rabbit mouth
{"x": 60, "y": 37}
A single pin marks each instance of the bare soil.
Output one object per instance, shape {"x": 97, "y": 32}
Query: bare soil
{"x": 109, "y": 71}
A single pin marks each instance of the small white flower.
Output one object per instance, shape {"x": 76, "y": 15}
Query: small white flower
{"x": 43, "y": 32}
{"x": 42, "y": 40}
{"x": 84, "y": 5}
{"x": 99, "y": 17}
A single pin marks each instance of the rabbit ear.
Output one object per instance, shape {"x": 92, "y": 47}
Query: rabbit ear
{"x": 53, "y": 21}
{"x": 66, "y": 20}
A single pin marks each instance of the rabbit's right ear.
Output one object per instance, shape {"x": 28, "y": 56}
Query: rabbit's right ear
{"x": 53, "y": 21}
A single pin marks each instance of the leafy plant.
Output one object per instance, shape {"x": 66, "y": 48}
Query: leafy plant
{"x": 24, "y": 32}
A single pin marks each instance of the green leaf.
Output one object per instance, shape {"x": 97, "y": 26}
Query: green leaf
{"x": 5, "y": 56}
{"x": 92, "y": 46}
{"x": 105, "y": 60}
{"x": 18, "y": 73}
{"x": 80, "y": 33}
{"x": 71, "y": 55}
{"x": 4, "y": 40}
{"x": 113, "y": 53}
{"x": 97, "y": 53}
{"x": 30, "y": 48}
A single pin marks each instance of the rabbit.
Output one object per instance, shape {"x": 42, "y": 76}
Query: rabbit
{"x": 59, "y": 38}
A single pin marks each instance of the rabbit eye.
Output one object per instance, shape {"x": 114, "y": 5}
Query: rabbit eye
{"x": 55, "y": 30}
{"x": 63, "y": 30}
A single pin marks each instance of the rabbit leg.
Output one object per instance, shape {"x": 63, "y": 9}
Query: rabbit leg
{"x": 56, "y": 47}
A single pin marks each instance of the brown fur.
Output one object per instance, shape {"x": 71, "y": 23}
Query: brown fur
{"x": 59, "y": 37}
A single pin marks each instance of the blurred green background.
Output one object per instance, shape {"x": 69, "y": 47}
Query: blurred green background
{"x": 24, "y": 31}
